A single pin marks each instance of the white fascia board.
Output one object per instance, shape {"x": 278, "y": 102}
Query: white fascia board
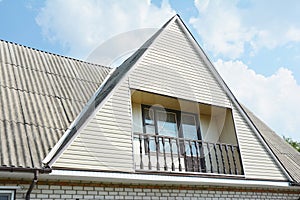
{"x": 161, "y": 179}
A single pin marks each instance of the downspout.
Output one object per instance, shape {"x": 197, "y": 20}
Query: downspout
{"x": 33, "y": 183}
{"x": 44, "y": 170}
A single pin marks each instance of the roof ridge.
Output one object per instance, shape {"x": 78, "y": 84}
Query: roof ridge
{"x": 54, "y": 54}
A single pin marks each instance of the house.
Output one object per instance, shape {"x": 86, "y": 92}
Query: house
{"x": 163, "y": 125}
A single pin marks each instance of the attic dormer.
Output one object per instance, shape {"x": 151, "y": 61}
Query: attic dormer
{"x": 166, "y": 109}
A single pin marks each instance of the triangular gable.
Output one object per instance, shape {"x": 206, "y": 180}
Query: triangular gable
{"x": 171, "y": 63}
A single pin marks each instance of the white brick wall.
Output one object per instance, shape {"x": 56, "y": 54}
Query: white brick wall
{"x": 153, "y": 192}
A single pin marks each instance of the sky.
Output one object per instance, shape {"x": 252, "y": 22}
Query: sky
{"x": 254, "y": 46}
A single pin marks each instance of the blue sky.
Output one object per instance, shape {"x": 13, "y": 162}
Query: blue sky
{"x": 254, "y": 46}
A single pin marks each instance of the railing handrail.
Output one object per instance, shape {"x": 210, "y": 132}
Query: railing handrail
{"x": 191, "y": 154}
{"x": 184, "y": 139}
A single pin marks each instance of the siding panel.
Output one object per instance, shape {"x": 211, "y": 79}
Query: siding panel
{"x": 257, "y": 162}
{"x": 106, "y": 141}
{"x": 172, "y": 67}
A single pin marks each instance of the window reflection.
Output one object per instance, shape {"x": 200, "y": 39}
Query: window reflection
{"x": 165, "y": 123}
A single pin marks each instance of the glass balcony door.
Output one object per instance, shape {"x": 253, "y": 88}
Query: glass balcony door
{"x": 172, "y": 124}
{"x": 158, "y": 121}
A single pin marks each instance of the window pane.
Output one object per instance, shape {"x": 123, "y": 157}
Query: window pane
{"x": 148, "y": 116}
{"x": 150, "y": 129}
{"x": 189, "y": 127}
{"x": 166, "y": 123}
{"x": 189, "y": 130}
{"x": 4, "y": 196}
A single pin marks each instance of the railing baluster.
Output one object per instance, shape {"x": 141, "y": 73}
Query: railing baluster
{"x": 178, "y": 152}
{"x": 234, "y": 161}
{"x": 157, "y": 152}
{"x": 217, "y": 159}
{"x": 239, "y": 161}
{"x": 148, "y": 150}
{"x": 192, "y": 157}
{"x": 227, "y": 155}
{"x": 185, "y": 159}
{"x": 164, "y": 150}
{"x": 202, "y": 157}
{"x": 172, "y": 159}
{"x": 222, "y": 158}
{"x": 141, "y": 152}
{"x": 210, "y": 161}
{"x": 197, "y": 157}
{"x": 191, "y": 152}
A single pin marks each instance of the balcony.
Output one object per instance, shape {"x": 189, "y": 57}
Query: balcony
{"x": 174, "y": 135}
{"x": 158, "y": 153}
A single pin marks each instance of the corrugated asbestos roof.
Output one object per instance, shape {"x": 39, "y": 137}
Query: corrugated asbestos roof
{"x": 40, "y": 96}
{"x": 287, "y": 155}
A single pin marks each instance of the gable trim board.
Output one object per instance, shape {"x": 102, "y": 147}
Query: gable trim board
{"x": 106, "y": 90}
{"x": 120, "y": 74}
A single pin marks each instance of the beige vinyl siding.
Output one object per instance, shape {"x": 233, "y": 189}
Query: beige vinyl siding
{"x": 106, "y": 141}
{"x": 172, "y": 67}
{"x": 257, "y": 162}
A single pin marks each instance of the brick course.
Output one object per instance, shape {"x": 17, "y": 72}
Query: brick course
{"x": 92, "y": 190}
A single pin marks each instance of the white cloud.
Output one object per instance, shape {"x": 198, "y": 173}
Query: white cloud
{"x": 273, "y": 98}
{"x": 227, "y": 28}
{"x": 293, "y": 34}
{"x": 80, "y": 26}
{"x": 220, "y": 27}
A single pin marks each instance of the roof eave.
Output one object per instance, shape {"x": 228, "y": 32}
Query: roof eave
{"x": 43, "y": 170}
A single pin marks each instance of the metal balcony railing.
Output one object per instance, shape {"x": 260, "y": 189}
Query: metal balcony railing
{"x": 171, "y": 154}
